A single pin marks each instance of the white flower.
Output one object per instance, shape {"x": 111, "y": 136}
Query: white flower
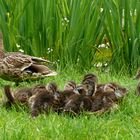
{"x": 20, "y": 50}
{"x": 65, "y": 18}
{"x": 107, "y": 44}
{"x": 99, "y": 65}
{"x": 18, "y": 46}
{"x": 105, "y": 64}
{"x": 135, "y": 12}
{"x": 101, "y": 10}
{"x": 102, "y": 46}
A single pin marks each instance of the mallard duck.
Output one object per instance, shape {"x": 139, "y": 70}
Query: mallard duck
{"x": 18, "y": 67}
{"x": 107, "y": 97}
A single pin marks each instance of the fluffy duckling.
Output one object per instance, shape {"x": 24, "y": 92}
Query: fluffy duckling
{"x": 21, "y": 96}
{"x": 58, "y": 97}
{"x": 77, "y": 103}
{"x": 91, "y": 77}
{"x": 107, "y": 97}
{"x": 69, "y": 89}
{"x": 70, "y": 85}
{"x": 89, "y": 83}
{"x": 43, "y": 101}
{"x": 18, "y": 67}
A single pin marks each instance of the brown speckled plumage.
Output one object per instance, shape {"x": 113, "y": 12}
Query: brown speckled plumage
{"x": 18, "y": 67}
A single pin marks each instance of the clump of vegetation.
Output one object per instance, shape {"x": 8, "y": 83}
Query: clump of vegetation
{"x": 70, "y": 32}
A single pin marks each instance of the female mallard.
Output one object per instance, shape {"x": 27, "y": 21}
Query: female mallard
{"x": 18, "y": 67}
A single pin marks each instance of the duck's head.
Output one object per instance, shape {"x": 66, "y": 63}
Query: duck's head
{"x": 52, "y": 87}
{"x": 91, "y": 77}
{"x": 90, "y": 87}
{"x": 109, "y": 87}
{"x": 90, "y": 84}
{"x": 119, "y": 90}
{"x": 80, "y": 90}
{"x": 70, "y": 85}
{"x": 53, "y": 90}
{"x": 137, "y": 76}
{"x": 38, "y": 89}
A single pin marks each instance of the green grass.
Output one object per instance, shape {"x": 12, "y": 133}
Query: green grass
{"x": 119, "y": 124}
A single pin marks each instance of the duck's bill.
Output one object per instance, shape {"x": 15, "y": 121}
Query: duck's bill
{"x": 52, "y": 74}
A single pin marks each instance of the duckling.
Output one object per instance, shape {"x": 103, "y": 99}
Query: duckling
{"x": 43, "y": 101}
{"x": 58, "y": 101}
{"x": 77, "y": 103}
{"x": 70, "y": 85}
{"x": 69, "y": 89}
{"x": 18, "y": 67}
{"x": 21, "y": 96}
{"x": 107, "y": 97}
{"x": 89, "y": 83}
{"x": 91, "y": 77}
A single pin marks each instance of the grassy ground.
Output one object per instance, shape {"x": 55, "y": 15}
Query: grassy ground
{"x": 123, "y": 123}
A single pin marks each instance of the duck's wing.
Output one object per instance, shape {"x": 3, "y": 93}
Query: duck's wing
{"x": 38, "y": 59}
{"x": 17, "y": 61}
{"x": 41, "y": 69}
{"x": 33, "y": 58}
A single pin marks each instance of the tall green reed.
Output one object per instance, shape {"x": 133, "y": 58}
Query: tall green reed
{"x": 122, "y": 28}
{"x": 70, "y": 31}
